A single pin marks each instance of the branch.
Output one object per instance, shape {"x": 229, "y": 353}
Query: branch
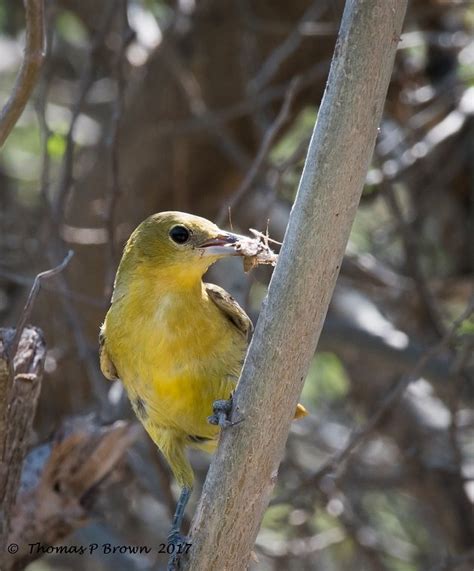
{"x": 35, "y": 289}
{"x": 262, "y": 154}
{"x": 411, "y": 245}
{"x": 62, "y": 482}
{"x": 86, "y": 80}
{"x": 29, "y": 70}
{"x": 20, "y": 398}
{"x": 289, "y": 46}
{"x": 243, "y": 473}
{"x": 22, "y": 354}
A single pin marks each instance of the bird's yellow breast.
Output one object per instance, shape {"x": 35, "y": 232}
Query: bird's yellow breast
{"x": 176, "y": 353}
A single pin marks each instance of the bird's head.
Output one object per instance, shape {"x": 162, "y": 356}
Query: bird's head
{"x": 177, "y": 244}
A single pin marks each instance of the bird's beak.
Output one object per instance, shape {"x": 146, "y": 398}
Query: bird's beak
{"x": 224, "y": 244}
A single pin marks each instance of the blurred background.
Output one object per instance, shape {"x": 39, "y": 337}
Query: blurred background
{"x": 207, "y": 107}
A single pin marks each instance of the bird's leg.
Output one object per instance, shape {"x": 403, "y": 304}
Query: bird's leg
{"x": 221, "y": 413}
{"x": 174, "y": 537}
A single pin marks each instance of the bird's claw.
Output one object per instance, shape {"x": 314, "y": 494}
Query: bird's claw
{"x": 175, "y": 538}
{"x": 181, "y": 544}
{"x": 177, "y": 543}
{"x": 221, "y": 412}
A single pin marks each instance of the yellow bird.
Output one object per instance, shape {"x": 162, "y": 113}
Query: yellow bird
{"x": 177, "y": 344}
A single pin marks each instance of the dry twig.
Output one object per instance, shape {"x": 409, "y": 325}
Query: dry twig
{"x": 35, "y": 289}
{"x": 290, "y": 45}
{"x": 265, "y": 147}
{"x": 59, "y": 488}
{"x": 66, "y": 180}
{"x": 20, "y": 383}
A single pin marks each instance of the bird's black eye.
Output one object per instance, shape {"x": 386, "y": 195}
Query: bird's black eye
{"x": 179, "y": 234}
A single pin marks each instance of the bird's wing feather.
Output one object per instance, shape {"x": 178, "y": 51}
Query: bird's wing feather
{"x": 106, "y": 364}
{"x": 231, "y": 309}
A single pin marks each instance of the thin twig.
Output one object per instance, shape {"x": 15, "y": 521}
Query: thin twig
{"x": 288, "y": 47}
{"x": 27, "y": 281}
{"x": 35, "y": 289}
{"x": 244, "y": 107}
{"x": 298, "y": 155}
{"x": 40, "y": 103}
{"x": 114, "y": 140}
{"x": 262, "y": 154}
{"x": 29, "y": 70}
{"x": 199, "y": 109}
{"x": 427, "y": 299}
{"x": 84, "y": 352}
{"x": 86, "y": 82}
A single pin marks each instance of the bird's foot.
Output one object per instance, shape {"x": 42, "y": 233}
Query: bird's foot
{"x": 221, "y": 413}
{"x": 222, "y": 410}
{"x": 177, "y": 545}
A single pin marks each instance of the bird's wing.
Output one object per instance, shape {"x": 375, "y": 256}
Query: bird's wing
{"x": 230, "y": 308}
{"x": 106, "y": 364}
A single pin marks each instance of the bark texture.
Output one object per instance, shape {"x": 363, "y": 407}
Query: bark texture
{"x": 20, "y": 385}
{"x": 244, "y": 471}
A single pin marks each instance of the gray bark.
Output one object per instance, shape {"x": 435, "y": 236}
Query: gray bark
{"x": 244, "y": 471}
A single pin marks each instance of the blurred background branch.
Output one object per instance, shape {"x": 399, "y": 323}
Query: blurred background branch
{"x": 29, "y": 70}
